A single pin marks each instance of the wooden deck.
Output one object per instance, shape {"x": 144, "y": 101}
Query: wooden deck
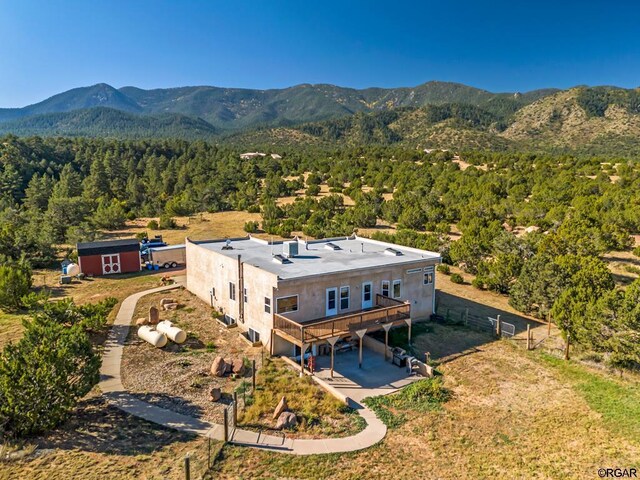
{"x": 386, "y": 311}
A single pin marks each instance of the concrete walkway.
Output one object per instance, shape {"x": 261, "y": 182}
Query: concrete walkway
{"x": 114, "y": 391}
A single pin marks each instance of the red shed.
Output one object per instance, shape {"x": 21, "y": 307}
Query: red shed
{"x": 110, "y": 256}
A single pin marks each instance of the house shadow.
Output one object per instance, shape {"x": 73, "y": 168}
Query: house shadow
{"x": 463, "y": 327}
{"x": 98, "y": 427}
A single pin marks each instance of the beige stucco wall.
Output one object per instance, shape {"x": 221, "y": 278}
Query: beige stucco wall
{"x": 312, "y": 291}
{"x": 207, "y": 269}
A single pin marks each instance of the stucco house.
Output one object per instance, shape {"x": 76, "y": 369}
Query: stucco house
{"x": 295, "y": 294}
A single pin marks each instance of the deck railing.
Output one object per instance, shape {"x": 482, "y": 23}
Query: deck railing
{"x": 387, "y": 310}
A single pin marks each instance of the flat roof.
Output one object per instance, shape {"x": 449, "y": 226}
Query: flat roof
{"x": 315, "y": 257}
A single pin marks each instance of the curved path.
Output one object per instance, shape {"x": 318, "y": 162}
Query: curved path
{"x": 114, "y": 391}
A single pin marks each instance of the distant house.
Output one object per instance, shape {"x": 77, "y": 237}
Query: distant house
{"x": 295, "y": 294}
{"x": 109, "y": 257}
{"x": 250, "y": 155}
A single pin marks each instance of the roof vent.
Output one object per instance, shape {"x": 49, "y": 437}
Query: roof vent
{"x": 392, "y": 251}
{"x": 290, "y": 249}
{"x": 281, "y": 259}
{"x": 227, "y": 245}
{"x": 331, "y": 246}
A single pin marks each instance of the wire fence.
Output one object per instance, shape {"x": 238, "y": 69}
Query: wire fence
{"x": 450, "y": 316}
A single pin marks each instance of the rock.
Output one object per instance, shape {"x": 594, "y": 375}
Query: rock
{"x": 282, "y": 407}
{"x": 237, "y": 367}
{"x": 164, "y": 301}
{"x": 215, "y": 394}
{"x": 219, "y": 367}
{"x": 170, "y": 306}
{"x": 141, "y": 321}
{"x": 154, "y": 315}
{"x": 286, "y": 420}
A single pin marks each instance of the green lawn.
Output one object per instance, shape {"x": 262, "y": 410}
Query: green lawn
{"x": 618, "y": 401}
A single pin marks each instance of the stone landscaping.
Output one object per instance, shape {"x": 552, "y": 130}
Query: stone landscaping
{"x": 182, "y": 377}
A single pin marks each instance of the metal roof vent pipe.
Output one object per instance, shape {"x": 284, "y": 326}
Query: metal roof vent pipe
{"x": 362, "y": 247}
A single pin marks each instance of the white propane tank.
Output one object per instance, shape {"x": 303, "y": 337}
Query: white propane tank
{"x": 174, "y": 333}
{"x": 154, "y": 337}
{"x": 73, "y": 269}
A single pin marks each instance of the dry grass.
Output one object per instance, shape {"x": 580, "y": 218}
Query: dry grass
{"x": 100, "y": 442}
{"x": 511, "y": 416}
{"x": 319, "y": 414}
{"x": 202, "y": 226}
{"x": 622, "y": 266}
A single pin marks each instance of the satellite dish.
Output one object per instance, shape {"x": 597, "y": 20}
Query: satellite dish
{"x": 227, "y": 242}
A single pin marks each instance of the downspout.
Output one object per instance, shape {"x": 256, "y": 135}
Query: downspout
{"x": 240, "y": 290}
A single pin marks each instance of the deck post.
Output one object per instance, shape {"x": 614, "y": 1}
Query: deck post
{"x": 332, "y": 341}
{"x": 303, "y": 349}
{"x": 386, "y": 327}
{"x": 360, "y": 334}
{"x": 408, "y": 322}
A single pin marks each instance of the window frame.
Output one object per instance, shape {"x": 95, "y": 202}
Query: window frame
{"x": 288, "y": 296}
{"x": 429, "y": 273}
{"x": 232, "y": 291}
{"x": 245, "y": 298}
{"x": 346, "y": 288}
{"x": 382, "y": 288}
{"x": 397, "y": 282}
{"x": 267, "y": 305}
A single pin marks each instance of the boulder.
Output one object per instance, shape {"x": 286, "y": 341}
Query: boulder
{"x": 282, "y": 407}
{"x": 286, "y": 420}
{"x": 219, "y": 367}
{"x": 170, "y": 306}
{"x": 164, "y": 301}
{"x": 154, "y": 315}
{"x": 237, "y": 367}
{"x": 141, "y": 321}
{"x": 215, "y": 394}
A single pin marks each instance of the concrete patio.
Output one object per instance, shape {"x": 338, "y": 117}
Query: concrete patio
{"x": 376, "y": 377}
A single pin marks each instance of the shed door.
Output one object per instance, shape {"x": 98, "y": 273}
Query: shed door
{"x": 332, "y": 302}
{"x": 110, "y": 264}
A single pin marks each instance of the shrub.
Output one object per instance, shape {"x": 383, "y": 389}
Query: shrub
{"x": 44, "y": 375}
{"x": 457, "y": 278}
{"x": 444, "y": 268}
{"x": 312, "y": 190}
{"x": 636, "y": 251}
{"x": 167, "y": 222}
{"x": 15, "y": 282}
{"x": 131, "y": 216}
{"x": 478, "y": 283}
{"x": 153, "y": 225}
{"x": 251, "y": 226}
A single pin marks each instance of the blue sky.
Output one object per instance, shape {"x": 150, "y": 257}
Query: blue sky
{"x": 50, "y": 46}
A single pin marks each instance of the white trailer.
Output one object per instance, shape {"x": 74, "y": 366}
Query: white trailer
{"x": 168, "y": 257}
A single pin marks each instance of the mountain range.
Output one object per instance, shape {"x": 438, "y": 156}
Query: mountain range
{"x": 431, "y": 115}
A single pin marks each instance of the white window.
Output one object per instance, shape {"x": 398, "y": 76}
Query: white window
{"x": 253, "y": 335}
{"x": 427, "y": 278}
{"x": 397, "y": 288}
{"x": 245, "y": 295}
{"x": 287, "y": 304}
{"x": 232, "y": 291}
{"x": 344, "y": 298}
{"x": 267, "y": 305}
{"x": 385, "y": 288}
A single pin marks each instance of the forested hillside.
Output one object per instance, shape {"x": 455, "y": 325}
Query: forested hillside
{"x": 59, "y": 191}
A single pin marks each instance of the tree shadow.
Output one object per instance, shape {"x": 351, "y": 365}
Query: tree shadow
{"x": 98, "y": 427}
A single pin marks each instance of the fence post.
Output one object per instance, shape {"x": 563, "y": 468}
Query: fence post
{"x": 466, "y": 317}
{"x": 253, "y": 377}
{"x": 226, "y": 425}
{"x": 548, "y": 324}
{"x": 566, "y": 348}
{"x": 528, "y": 336}
{"x": 235, "y": 408}
{"x": 187, "y": 467}
{"x": 208, "y": 453}
{"x": 498, "y": 326}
